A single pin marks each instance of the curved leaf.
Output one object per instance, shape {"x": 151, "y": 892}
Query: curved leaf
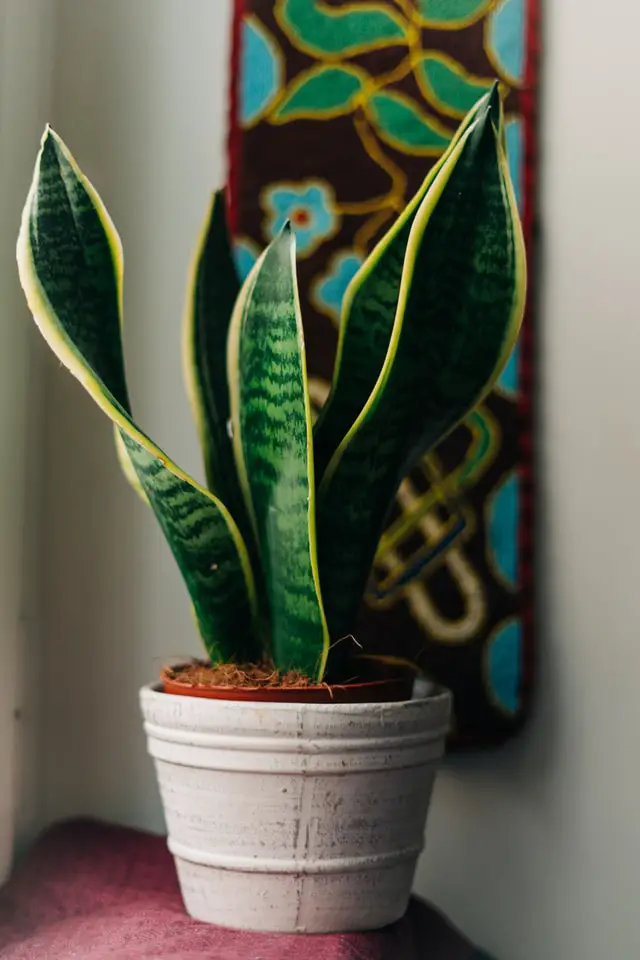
{"x": 272, "y": 441}
{"x": 213, "y": 290}
{"x": 368, "y": 313}
{"x": 402, "y": 124}
{"x": 448, "y": 85}
{"x": 461, "y": 304}
{"x": 452, "y": 14}
{"x": 127, "y": 466}
{"x": 321, "y": 93}
{"x": 70, "y": 265}
{"x": 323, "y": 30}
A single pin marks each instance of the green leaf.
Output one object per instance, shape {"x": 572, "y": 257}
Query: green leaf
{"x": 368, "y": 313}
{"x": 213, "y": 290}
{"x": 322, "y": 92}
{"x": 404, "y": 126}
{"x": 452, "y": 14}
{"x": 271, "y": 419}
{"x": 448, "y": 85}
{"x": 70, "y": 265}
{"x": 460, "y": 308}
{"x": 127, "y": 466}
{"x": 323, "y": 30}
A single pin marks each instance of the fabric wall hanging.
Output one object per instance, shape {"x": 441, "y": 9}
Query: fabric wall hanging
{"x": 338, "y": 111}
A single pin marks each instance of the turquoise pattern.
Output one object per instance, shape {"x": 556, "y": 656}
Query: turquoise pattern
{"x": 504, "y": 510}
{"x": 509, "y": 381}
{"x": 245, "y": 255}
{"x": 514, "y": 133}
{"x": 260, "y": 73}
{"x": 309, "y": 207}
{"x": 504, "y": 666}
{"x": 506, "y": 38}
{"x": 330, "y": 289}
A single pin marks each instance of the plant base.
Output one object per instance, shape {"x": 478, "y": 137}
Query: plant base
{"x": 251, "y": 683}
{"x": 295, "y": 817}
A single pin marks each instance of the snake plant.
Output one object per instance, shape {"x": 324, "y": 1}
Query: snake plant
{"x": 276, "y": 549}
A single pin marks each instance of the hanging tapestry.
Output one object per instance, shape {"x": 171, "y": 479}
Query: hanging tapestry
{"x": 338, "y": 111}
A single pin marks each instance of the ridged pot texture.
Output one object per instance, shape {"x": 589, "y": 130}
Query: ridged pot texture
{"x": 295, "y": 817}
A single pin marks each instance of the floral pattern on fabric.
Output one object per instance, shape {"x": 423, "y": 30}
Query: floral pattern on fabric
{"x": 370, "y": 94}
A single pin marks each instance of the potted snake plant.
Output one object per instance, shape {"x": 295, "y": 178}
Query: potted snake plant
{"x": 295, "y": 769}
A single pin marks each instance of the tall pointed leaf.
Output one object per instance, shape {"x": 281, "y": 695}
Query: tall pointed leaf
{"x": 271, "y": 420}
{"x": 213, "y": 289}
{"x": 70, "y": 264}
{"x": 461, "y": 304}
{"x": 368, "y": 313}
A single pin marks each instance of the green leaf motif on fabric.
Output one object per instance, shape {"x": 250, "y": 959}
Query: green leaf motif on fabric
{"x": 453, "y": 13}
{"x": 324, "y": 30}
{"x": 449, "y": 87}
{"x": 271, "y": 418}
{"x": 70, "y": 265}
{"x": 402, "y": 124}
{"x": 321, "y": 93}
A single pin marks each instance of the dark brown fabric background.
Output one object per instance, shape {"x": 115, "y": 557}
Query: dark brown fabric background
{"x": 331, "y": 150}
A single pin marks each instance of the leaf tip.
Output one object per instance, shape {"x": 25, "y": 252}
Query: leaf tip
{"x": 285, "y": 241}
{"x": 50, "y": 138}
{"x": 494, "y": 105}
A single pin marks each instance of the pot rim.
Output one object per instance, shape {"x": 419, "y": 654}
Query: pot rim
{"x": 390, "y": 689}
{"x": 422, "y": 693}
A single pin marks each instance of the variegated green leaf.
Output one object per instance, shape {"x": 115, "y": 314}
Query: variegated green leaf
{"x": 461, "y": 304}
{"x": 271, "y": 419}
{"x": 213, "y": 290}
{"x": 70, "y": 264}
{"x": 368, "y": 312}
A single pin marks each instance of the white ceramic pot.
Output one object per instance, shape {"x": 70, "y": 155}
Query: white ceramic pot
{"x": 295, "y": 817}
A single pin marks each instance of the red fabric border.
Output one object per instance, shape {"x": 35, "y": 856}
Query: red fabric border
{"x": 529, "y": 102}
{"x": 234, "y": 135}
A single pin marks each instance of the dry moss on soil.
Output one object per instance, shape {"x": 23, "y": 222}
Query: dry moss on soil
{"x": 236, "y": 675}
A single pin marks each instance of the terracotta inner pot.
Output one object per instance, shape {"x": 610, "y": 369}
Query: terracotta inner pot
{"x": 375, "y": 685}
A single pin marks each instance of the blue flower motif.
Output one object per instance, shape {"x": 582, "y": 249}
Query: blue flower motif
{"x": 310, "y": 206}
{"x": 329, "y": 290}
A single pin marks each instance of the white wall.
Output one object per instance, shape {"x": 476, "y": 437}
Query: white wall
{"x": 535, "y": 850}
{"x": 140, "y": 98}
{"x": 25, "y": 63}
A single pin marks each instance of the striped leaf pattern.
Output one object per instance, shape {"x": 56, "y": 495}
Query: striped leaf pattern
{"x": 368, "y": 313}
{"x": 460, "y": 308}
{"x": 271, "y": 420}
{"x": 213, "y": 290}
{"x": 70, "y": 264}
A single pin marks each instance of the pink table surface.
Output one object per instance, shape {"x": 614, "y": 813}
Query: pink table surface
{"x": 89, "y": 891}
